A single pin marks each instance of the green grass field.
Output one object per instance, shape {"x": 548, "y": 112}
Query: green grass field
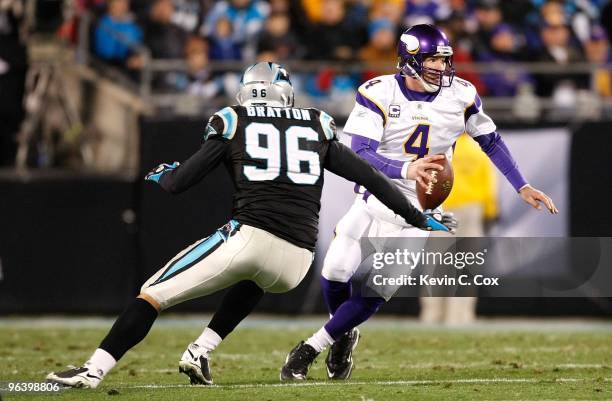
{"x": 395, "y": 360}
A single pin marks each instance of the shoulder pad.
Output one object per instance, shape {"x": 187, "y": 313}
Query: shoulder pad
{"x": 329, "y": 125}
{"x": 373, "y": 94}
{"x": 222, "y": 124}
{"x": 465, "y": 90}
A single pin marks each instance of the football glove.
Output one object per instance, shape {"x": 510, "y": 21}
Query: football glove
{"x": 157, "y": 172}
{"x": 438, "y": 221}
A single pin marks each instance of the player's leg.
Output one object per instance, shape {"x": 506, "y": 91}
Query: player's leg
{"x": 359, "y": 307}
{"x": 341, "y": 262}
{"x": 342, "y": 327}
{"x": 272, "y": 265}
{"x": 343, "y": 256}
{"x": 202, "y": 268}
{"x": 128, "y": 330}
{"x": 237, "y": 304}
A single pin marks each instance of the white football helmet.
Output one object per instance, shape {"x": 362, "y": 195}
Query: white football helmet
{"x": 266, "y": 84}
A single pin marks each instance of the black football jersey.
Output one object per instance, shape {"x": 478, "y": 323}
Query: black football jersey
{"x": 276, "y": 158}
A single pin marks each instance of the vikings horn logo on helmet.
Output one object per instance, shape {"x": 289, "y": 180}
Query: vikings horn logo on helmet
{"x": 411, "y": 42}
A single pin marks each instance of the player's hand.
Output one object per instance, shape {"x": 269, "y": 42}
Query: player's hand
{"x": 417, "y": 170}
{"x": 534, "y": 197}
{"x": 157, "y": 172}
{"x": 438, "y": 221}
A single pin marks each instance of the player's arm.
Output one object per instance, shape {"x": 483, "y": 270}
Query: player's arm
{"x": 366, "y": 125}
{"x": 344, "y": 162}
{"x": 177, "y": 177}
{"x": 416, "y": 170}
{"x": 483, "y": 130}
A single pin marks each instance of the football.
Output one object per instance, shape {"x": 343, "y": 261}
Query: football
{"x": 436, "y": 193}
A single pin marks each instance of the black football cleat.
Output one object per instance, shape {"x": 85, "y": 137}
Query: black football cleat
{"x": 339, "y": 359}
{"x": 194, "y": 363}
{"x": 298, "y": 361}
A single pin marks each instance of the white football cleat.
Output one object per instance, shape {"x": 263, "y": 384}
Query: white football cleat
{"x": 83, "y": 377}
{"x": 194, "y": 363}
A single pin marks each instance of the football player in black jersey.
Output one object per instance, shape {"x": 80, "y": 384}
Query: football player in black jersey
{"x": 276, "y": 154}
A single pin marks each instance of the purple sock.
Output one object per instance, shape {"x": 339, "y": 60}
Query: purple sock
{"x": 335, "y": 293}
{"x": 351, "y": 314}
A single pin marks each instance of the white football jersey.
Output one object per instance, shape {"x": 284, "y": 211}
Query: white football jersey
{"x": 410, "y": 125}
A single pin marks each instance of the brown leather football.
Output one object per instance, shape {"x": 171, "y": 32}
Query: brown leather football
{"x": 435, "y": 194}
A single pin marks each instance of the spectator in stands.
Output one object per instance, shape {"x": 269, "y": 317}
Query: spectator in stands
{"x": 280, "y": 6}
{"x": 200, "y": 80}
{"x": 13, "y": 69}
{"x": 382, "y": 47}
{"x": 117, "y": 36}
{"x": 554, "y": 13}
{"x": 278, "y": 39}
{"x": 488, "y": 16}
{"x": 424, "y": 12}
{"x": 516, "y": 11}
{"x": 312, "y": 9}
{"x": 247, "y": 18}
{"x": 454, "y": 28}
{"x": 222, "y": 43}
{"x": 504, "y": 46}
{"x": 557, "y": 48}
{"x": 165, "y": 39}
{"x": 332, "y": 38}
{"x": 187, "y": 15}
{"x": 597, "y": 50}
{"x": 390, "y": 10}
{"x": 73, "y": 11}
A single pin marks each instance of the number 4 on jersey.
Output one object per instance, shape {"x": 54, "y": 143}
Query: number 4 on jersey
{"x": 417, "y": 142}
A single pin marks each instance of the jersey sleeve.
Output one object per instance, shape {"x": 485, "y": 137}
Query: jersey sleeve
{"x": 221, "y": 125}
{"x": 194, "y": 169}
{"x": 477, "y": 122}
{"x": 368, "y": 118}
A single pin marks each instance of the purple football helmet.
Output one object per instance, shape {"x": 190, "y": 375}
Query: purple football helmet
{"x": 418, "y": 43}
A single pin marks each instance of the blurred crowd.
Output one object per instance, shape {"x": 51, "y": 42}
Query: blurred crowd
{"x": 201, "y": 31}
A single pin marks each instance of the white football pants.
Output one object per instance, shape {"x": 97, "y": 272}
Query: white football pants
{"x": 364, "y": 219}
{"x": 233, "y": 253}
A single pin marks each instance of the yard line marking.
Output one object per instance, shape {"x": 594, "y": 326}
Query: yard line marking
{"x": 432, "y": 366}
{"x": 378, "y": 383}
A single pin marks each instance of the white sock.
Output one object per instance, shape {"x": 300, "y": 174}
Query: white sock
{"x": 208, "y": 340}
{"x": 101, "y": 360}
{"x": 320, "y": 340}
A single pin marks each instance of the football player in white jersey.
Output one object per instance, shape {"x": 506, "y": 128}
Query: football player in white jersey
{"x": 400, "y": 123}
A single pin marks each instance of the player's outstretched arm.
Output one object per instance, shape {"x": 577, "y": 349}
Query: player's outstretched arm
{"x": 176, "y": 178}
{"x": 494, "y": 146}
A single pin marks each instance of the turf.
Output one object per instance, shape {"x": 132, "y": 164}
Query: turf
{"x": 393, "y": 362}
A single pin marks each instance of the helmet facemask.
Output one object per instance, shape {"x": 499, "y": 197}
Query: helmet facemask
{"x": 432, "y": 79}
